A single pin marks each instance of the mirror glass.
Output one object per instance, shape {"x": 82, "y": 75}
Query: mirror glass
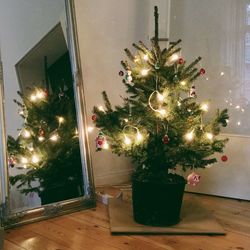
{"x": 43, "y": 153}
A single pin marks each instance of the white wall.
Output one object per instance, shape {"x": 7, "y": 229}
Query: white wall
{"x": 22, "y": 24}
{"x": 216, "y": 30}
{"x": 105, "y": 28}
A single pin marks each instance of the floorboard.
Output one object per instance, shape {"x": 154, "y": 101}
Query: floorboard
{"x": 89, "y": 230}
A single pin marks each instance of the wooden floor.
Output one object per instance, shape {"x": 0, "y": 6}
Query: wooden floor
{"x": 90, "y": 230}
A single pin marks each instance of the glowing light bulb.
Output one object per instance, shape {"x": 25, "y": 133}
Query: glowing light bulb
{"x": 33, "y": 98}
{"x": 207, "y": 78}
{"x": 31, "y": 149}
{"x": 204, "y": 107}
{"x": 54, "y": 137}
{"x": 105, "y": 145}
{"x": 230, "y": 104}
{"x": 101, "y": 108}
{"x": 144, "y": 72}
{"x": 242, "y": 110}
{"x": 209, "y": 136}
{"x": 35, "y": 159}
{"x": 60, "y": 119}
{"x": 145, "y": 57}
{"x": 41, "y": 138}
{"x": 174, "y": 57}
{"x": 189, "y": 136}
{"x": 237, "y": 107}
{"x": 24, "y": 166}
{"x": 90, "y": 129}
{"x": 136, "y": 59}
{"x": 26, "y": 133}
{"x": 162, "y": 111}
{"x": 160, "y": 97}
{"x": 183, "y": 83}
{"x": 126, "y": 120}
{"x": 127, "y": 140}
{"x": 24, "y": 160}
{"x": 40, "y": 94}
{"x": 222, "y": 73}
{"x": 139, "y": 137}
{"x": 238, "y": 123}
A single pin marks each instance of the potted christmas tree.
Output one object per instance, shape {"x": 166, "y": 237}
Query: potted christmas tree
{"x": 160, "y": 126}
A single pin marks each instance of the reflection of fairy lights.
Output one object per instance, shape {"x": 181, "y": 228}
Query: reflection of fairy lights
{"x": 222, "y": 73}
{"x": 238, "y": 123}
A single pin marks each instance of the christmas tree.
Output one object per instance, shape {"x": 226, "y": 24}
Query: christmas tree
{"x": 47, "y": 146}
{"x": 160, "y": 125}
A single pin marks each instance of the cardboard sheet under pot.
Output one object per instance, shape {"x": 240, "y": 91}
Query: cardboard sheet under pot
{"x": 157, "y": 204}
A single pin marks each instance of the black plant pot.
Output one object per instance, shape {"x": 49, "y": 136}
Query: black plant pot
{"x": 157, "y": 204}
{"x": 60, "y": 193}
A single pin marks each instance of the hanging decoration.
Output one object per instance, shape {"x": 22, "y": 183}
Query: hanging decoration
{"x": 193, "y": 179}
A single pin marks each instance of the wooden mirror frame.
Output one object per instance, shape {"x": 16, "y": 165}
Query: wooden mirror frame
{"x": 10, "y": 219}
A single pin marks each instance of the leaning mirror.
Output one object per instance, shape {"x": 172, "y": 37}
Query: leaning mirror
{"x": 45, "y": 163}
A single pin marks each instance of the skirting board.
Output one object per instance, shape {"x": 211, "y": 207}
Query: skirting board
{"x": 195, "y": 220}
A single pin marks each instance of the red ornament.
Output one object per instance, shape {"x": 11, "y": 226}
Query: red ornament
{"x": 202, "y": 71}
{"x": 165, "y": 139}
{"x": 100, "y": 140}
{"x": 181, "y": 61}
{"x": 41, "y": 132}
{"x": 46, "y": 93}
{"x": 224, "y": 158}
{"x": 121, "y": 73}
{"x": 93, "y": 117}
{"x": 11, "y": 161}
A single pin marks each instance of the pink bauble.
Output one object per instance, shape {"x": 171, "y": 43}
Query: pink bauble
{"x": 193, "y": 179}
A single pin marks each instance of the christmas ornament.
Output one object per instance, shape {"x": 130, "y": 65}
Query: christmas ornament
{"x": 46, "y": 93}
{"x": 202, "y": 71}
{"x": 157, "y": 65}
{"x": 100, "y": 141}
{"x": 41, "y": 132}
{"x": 193, "y": 179}
{"x": 121, "y": 73}
{"x": 128, "y": 77}
{"x": 176, "y": 79}
{"x": 224, "y": 158}
{"x": 61, "y": 94}
{"x": 192, "y": 92}
{"x": 11, "y": 161}
{"x": 165, "y": 139}
{"x": 181, "y": 61}
{"x": 93, "y": 117}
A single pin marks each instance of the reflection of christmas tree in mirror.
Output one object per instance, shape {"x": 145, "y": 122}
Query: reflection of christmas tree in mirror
{"x": 47, "y": 146}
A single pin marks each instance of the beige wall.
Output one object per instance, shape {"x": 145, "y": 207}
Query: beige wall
{"x": 105, "y": 28}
